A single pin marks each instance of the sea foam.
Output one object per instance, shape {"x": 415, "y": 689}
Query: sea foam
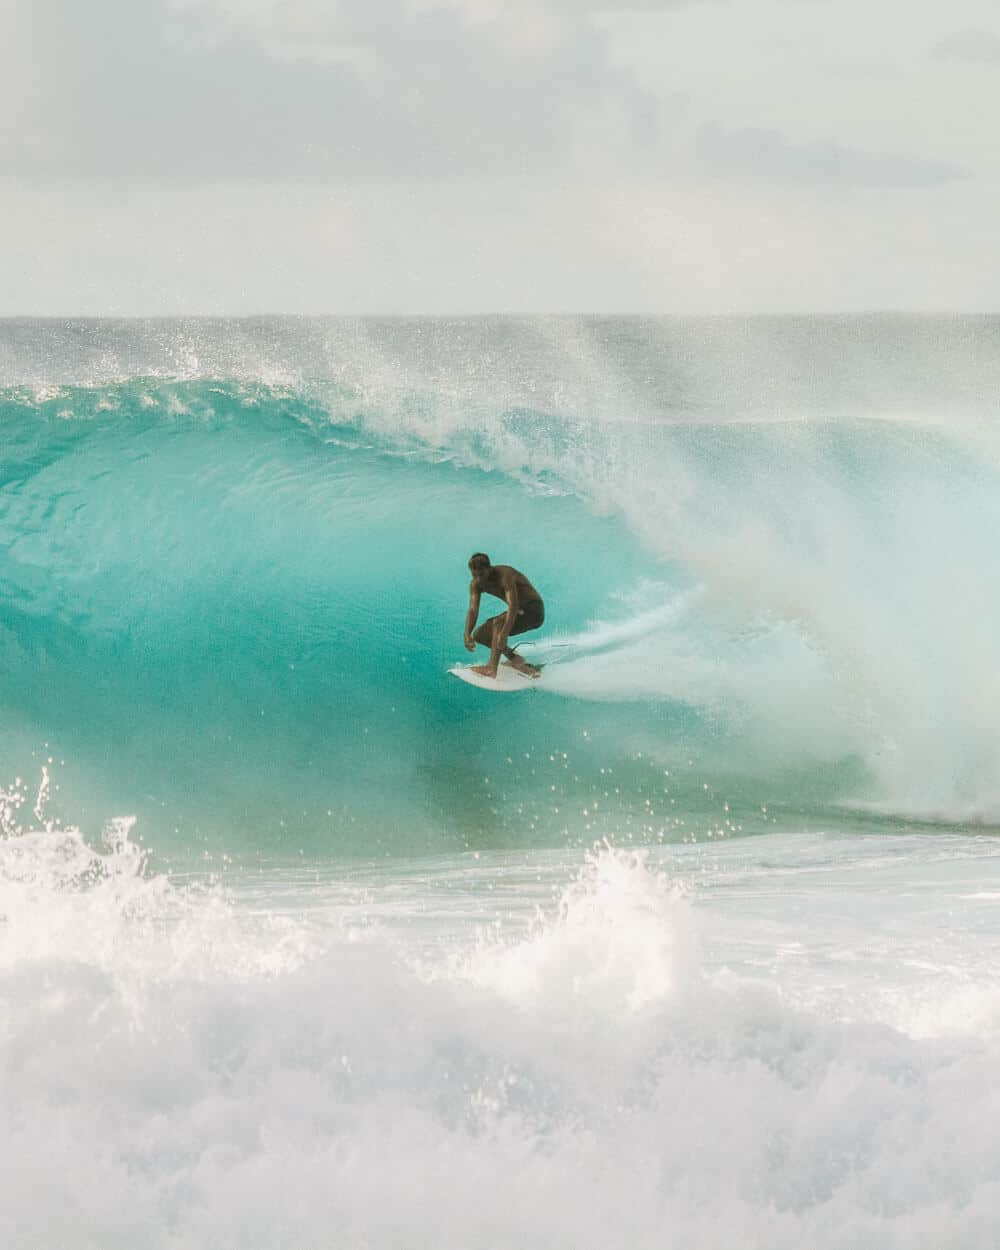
{"x": 181, "y": 1067}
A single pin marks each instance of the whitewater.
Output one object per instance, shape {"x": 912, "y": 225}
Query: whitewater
{"x": 304, "y": 943}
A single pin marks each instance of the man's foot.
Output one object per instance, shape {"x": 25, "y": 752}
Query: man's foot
{"x": 484, "y": 670}
{"x": 522, "y": 666}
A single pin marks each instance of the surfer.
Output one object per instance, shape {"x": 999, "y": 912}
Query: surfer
{"x": 525, "y": 611}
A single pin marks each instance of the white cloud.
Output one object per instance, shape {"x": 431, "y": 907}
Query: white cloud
{"x": 369, "y": 89}
{"x": 850, "y": 73}
{"x": 981, "y": 46}
{"x": 240, "y": 156}
{"x": 755, "y": 152}
{"x": 459, "y": 247}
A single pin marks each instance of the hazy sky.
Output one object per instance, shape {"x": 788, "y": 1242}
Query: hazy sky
{"x": 353, "y": 156}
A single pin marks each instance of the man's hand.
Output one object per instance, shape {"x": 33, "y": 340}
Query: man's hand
{"x": 469, "y": 644}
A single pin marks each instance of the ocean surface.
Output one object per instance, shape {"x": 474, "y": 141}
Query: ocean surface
{"x": 304, "y": 943}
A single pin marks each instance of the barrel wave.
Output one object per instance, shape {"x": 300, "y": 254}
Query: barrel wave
{"x": 231, "y": 593}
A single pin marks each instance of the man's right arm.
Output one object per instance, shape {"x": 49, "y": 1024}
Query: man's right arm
{"x": 471, "y": 617}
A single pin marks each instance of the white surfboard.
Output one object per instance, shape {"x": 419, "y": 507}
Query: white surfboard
{"x": 506, "y": 680}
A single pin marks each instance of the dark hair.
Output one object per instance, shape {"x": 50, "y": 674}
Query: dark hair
{"x": 479, "y": 559}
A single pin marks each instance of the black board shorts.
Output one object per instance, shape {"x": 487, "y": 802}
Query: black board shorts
{"x": 529, "y": 616}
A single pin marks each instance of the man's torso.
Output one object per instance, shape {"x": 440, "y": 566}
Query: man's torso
{"x": 503, "y": 576}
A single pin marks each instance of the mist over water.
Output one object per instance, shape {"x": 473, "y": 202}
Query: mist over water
{"x": 303, "y": 942}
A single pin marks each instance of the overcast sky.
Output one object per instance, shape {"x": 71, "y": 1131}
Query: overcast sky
{"x": 402, "y": 156}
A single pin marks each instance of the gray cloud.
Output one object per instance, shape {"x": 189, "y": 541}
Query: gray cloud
{"x": 610, "y": 6}
{"x": 969, "y": 45}
{"x": 368, "y": 90}
{"x": 769, "y": 156}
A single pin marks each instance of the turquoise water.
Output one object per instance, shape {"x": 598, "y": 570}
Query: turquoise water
{"x": 305, "y": 943}
{"x": 230, "y": 601}
{"x": 248, "y": 612}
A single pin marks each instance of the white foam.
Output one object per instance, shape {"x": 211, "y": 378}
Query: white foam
{"x": 183, "y": 1069}
{"x": 621, "y": 937}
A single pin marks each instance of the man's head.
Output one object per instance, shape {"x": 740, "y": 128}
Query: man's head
{"x": 479, "y": 567}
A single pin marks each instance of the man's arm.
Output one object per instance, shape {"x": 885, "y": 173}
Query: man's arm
{"x": 471, "y": 616}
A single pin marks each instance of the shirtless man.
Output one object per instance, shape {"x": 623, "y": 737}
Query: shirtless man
{"x": 525, "y": 611}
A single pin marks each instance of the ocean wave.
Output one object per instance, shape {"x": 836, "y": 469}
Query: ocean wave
{"x": 230, "y": 605}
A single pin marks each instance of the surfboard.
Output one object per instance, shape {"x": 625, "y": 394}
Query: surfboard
{"x": 506, "y": 680}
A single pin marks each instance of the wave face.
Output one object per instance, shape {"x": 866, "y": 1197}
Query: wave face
{"x": 232, "y": 575}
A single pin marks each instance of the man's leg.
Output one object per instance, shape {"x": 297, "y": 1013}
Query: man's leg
{"x": 511, "y": 655}
{"x": 531, "y": 616}
{"x": 488, "y": 635}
